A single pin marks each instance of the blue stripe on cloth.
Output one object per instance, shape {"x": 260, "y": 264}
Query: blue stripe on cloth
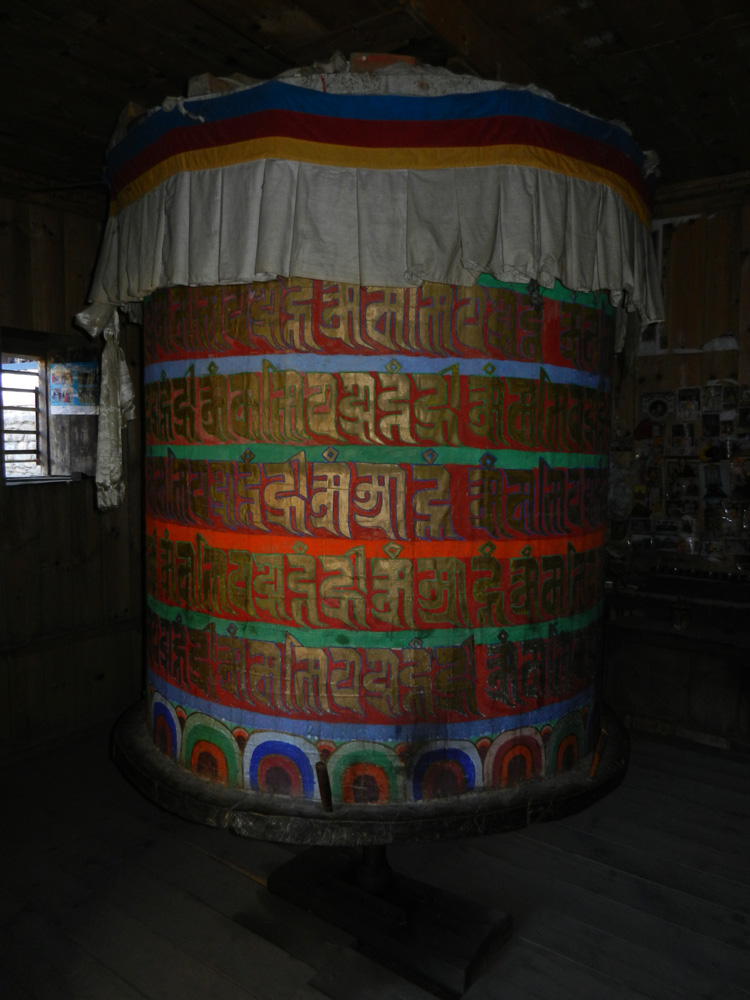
{"x": 276, "y": 95}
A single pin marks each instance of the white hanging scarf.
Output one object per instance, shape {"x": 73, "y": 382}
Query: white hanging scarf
{"x": 116, "y": 405}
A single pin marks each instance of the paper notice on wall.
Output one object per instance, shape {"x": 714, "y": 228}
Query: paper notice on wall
{"x": 74, "y": 387}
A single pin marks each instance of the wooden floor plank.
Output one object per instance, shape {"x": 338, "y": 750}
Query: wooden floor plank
{"x": 46, "y": 880}
{"x": 712, "y": 786}
{"x": 711, "y": 783}
{"x": 40, "y": 953}
{"x": 640, "y": 795}
{"x": 677, "y": 906}
{"x": 525, "y": 970}
{"x": 718, "y": 765}
{"x": 147, "y": 959}
{"x": 308, "y": 992}
{"x": 671, "y": 810}
{"x": 622, "y": 827}
{"x": 12, "y": 987}
{"x": 250, "y": 961}
{"x": 351, "y": 975}
{"x": 148, "y": 897}
{"x": 11, "y": 903}
{"x": 622, "y": 961}
{"x": 641, "y": 863}
{"x": 247, "y": 903}
{"x": 213, "y": 865}
{"x": 257, "y": 856}
{"x": 645, "y": 894}
{"x": 522, "y": 892}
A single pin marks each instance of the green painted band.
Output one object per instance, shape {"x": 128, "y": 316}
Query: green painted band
{"x": 595, "y": 300}
{"x": 379, "y": 454}
{"x": 373, "y": 640}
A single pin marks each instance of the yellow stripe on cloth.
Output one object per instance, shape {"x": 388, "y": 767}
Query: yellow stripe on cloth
{"x": 370, "y": 158}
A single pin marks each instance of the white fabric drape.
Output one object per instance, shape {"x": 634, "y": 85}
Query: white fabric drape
{"x": 253, "y": 221}
{"x": 260, "y": 219}
{"x": 116, "y": 406}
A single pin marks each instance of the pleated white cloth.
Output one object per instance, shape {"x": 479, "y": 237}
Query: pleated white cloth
{"x": 188, "y": 213}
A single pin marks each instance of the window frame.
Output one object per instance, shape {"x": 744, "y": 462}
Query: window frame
{"x": 49, "y": 348}
{"x": 41, "y": 412}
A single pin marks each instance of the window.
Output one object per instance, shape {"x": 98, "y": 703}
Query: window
{"x": 49, "y": 394}
{"x": 23, "y": 389}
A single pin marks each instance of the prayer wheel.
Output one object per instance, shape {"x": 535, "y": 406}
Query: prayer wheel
{"x": 378, "y": 336}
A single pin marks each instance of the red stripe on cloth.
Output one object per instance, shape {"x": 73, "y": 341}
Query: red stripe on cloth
{"x": 457, "y": 133}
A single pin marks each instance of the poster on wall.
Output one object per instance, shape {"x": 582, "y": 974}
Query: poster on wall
{"x": 730, "y": 398}
{"x": 714, "y": 480}
{"x": 710, "y": 425}
{"x": 688, "y": 403}
{"x": 657, "y": 405}
{"x": 711, "y": 397}
{"x": 683, "y": 439}
{"x": 691, "y": 477}
{"x": 74, "y": 387}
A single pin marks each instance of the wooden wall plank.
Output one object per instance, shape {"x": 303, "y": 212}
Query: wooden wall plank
{"x": 15, "y": 257}
{"x": 88, "y": 200}
{"x": 53, "y": 512}
{"x": 722, "y": 272}
{"x": 8, "y": 263}
{"x": 7, "y": 670}
{"x": 69, "y": 576}
{"x": 81, "y": 237}
{"x": 685, "y": 370}
{"x": 46, "y": 246}
{"x": 82, "y": 436}
{"x": 20, "y": 565}
{"x": 85, "y": 546}
{"x": 743, "y": 318}
{"x": 717, "y": 365}
{"x": 115, "y": 564}
{"x": 73, "y": 683}
{"x": 686, "y": 291}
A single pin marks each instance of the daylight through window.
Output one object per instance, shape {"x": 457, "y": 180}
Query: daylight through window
{"x": 24, "y": 409}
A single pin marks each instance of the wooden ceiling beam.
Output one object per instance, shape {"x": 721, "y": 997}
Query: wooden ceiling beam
{"x": 457, "y": 23}
{"x": 267, "y": 26}
{"x": 20, "y": 185}
{"x": 389, "y": 31}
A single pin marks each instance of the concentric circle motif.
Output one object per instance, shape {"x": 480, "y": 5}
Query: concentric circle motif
{"x": 280, "y": 764}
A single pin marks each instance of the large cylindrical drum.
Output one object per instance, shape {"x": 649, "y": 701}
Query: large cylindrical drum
{"x": 375, "y": 520}
{"x": 379, "y": 316}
